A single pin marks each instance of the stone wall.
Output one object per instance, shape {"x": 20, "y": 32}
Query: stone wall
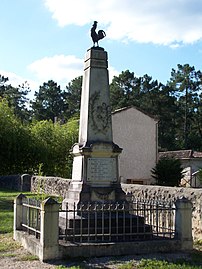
{"x": 172, "y": 194}
{"x": 59, "y": 186}
{"x": 50, "y": 185}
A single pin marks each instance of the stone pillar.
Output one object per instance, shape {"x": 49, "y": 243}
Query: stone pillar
{"x": 183, "y": 223}
{"x": 49, "y": 230}
{"x": 95, "y": 165}
{"x": 25, "y": 183}
{"x": 95, "y": 115}
{"x": 17, "y": 224}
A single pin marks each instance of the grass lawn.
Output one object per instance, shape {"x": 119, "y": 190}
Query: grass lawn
{"x": 8, "y": 245}
{"x": 6, "y": 221}
{"x": 6, "y": 210}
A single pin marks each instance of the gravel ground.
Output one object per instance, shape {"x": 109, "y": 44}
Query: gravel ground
{"x": 20, "y": 259}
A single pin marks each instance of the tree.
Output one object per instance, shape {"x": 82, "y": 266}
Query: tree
{"x": 186, "y": 85}
{"x": 49, "y": 102}
{"x": 16, "y": 143}
{"x": 54, "y": 143}
{"x": 24, "y": 148}
{"x": 199, "y": 175}
{"x": 23, "y": 111}
{"x": 3, "y": 80}
{"x": 73, "y": 97}
{"x": 164, "y": 106}
{"x": 152, "y": 97}
{"x": 16, "y": 97}
{"x": 168, "y": 172}
{"x": 124, "y": 90}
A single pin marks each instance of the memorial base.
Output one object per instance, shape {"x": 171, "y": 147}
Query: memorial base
{"x": 95, "y": 175}
{"x": 104, "y": 226}
{"x": 83, "y": 193}
{"x": 94, "y": 182}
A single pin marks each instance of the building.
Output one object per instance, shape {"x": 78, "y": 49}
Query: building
{"x": 137, "y": 133}
{"x": 191, "y": 161}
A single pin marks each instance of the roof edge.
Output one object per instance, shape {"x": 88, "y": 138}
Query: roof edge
{"x": 137, "y": 108}
{"x": 181, "y": 154}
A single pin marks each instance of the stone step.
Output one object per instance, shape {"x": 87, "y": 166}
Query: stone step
{"x": 101, "y": 226}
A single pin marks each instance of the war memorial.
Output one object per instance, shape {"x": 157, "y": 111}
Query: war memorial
{"x": 96, "y": 217}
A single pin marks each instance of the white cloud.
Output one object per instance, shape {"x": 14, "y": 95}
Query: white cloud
{"x": 16, "y": 80}
{"x": 112, "y": 72}
{"x": 164, "y": 22}
{"x": 60, "y": 68}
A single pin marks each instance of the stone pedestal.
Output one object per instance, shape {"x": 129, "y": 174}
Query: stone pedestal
{"x": 95, "y": 165}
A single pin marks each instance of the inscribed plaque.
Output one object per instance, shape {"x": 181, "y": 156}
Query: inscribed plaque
{"x": 101, "y": 169}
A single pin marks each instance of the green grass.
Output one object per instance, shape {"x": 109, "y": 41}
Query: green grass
{"x": 6, "y": 222}
{"x": 7, "y": 243}
{"x": 153, "y": 264}
{"x": 198, "y": 244}
{"x": 72, "y": 267}
{"x": 7, "y": 255}
{"x": 6, "y": 210}
{"x": 127, "y": 265}
{"x": 28, "y": 257}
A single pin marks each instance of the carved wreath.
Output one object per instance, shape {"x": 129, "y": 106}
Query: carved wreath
{"x": 100, "y": 113}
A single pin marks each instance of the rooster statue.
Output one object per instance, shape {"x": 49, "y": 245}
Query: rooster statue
{"x": 96, "y": 36}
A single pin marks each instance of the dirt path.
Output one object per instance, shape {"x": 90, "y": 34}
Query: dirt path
{"x": 20, "y": 259}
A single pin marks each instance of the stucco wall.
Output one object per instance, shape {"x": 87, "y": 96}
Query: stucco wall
{"x": 195, "y": 164}
{"x": 136, "y": 133}
{"x": 191, "y": 166}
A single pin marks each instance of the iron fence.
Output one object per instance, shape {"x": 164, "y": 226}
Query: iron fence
{"x": 109, "y": 222}
{"x": 31, "y": 216}
{"x": 159, "y": 214}
{"x": 106, "y": 222}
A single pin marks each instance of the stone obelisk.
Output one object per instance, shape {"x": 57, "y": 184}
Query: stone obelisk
{"x": 95, "y": 179}
{"x": 95, "y": 165}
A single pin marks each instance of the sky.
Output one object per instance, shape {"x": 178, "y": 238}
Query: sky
{"x": 47, "y": 39}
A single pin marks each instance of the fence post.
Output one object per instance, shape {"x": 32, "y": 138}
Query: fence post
{"x": 49, "y": 230}
{"x": 183, "y": 223}
{"x": 17, "y": 224}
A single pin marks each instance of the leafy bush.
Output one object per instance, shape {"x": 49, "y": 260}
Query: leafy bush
{"x": 15, "y": 143}
{"x": 168, "y": 172}
{"x": 24, "y": 147}
{"x": 54, "y": 143}
{"x": 200, "y": 175}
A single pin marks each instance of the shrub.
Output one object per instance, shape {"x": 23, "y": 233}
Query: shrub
{"x": 168, "y": 172}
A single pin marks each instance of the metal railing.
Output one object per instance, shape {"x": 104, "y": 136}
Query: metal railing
{"x": 159, "y": 214}
{"x": 31, "y": 216}
{"x": 106, "y": 222}
{"x": 109, "y": 222}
